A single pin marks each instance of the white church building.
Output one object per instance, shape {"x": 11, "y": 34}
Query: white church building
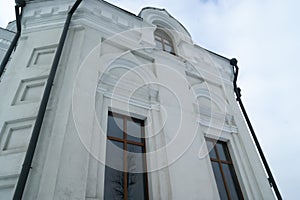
{"x": 126, "y": 107}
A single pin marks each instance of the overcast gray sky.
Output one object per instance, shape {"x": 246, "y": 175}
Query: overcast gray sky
{"x": 264, "y": 36}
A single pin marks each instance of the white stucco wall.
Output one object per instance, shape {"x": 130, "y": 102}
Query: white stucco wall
{"x": 110, "y": 62}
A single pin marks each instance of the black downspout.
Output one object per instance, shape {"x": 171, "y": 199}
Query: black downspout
{"x": 237, "y": 91}
{"x": 41, "y": 113}
{"x": 15, "y": 40}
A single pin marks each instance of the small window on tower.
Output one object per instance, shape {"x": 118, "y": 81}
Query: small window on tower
{"x": 163, "y": 41}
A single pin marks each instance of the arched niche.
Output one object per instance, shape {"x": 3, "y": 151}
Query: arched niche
{"x": 161, "y": 18}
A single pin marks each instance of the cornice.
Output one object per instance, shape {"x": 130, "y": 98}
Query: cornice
{"x": 52, "y": 14}
{"x": 207, "y": 120}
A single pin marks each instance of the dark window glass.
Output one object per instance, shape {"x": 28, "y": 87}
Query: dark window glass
{"x": 134, "y": 148}
{"x": 229, "y": 175}
{"x": 136, "y": 181}
{"x": 114, "y": 153}
{"x": 136, "y": 186}
{"x": 222, "y": 152}
{"x": 134, "y": 130}
{"x": 114, "y": 184}
{"x": 115, "y": 126}
{"x": 114, "y": 179}
{"x": 223, "y": 169}
{"x": 211, "y": 149}
{"x": 125, "y": 148}
{"x": 168, "y": 48}
{"x": 135, "y": 158}
{"x": 158, "y": 44}
{"x": 219, "y": 180}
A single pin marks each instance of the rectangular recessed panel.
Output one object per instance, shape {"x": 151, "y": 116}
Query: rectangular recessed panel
{"x": 30, "y": 90}
{"x": 15, "y": 135}
{"x": 33, "y": 92}
{"x": 6, "y": 192}
{"x": 7, "y": 182}
{"x": 44, "y": 58}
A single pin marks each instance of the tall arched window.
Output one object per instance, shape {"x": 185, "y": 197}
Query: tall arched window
{"x": 163, "y": 41}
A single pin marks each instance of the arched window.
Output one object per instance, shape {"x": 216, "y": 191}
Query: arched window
{"x": 163, "y": 41}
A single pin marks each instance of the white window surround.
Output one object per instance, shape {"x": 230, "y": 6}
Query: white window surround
{"x": 155, "y": 181}
{"x": 242, "y": 165}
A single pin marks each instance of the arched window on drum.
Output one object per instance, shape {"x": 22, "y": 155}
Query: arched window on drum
{"x": 163, "y": 41}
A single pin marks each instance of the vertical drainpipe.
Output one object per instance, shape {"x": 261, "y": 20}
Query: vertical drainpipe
{"x": 237, "y": 91}
{"x": 42, "y": 109}
{"x": 16, "y": 37}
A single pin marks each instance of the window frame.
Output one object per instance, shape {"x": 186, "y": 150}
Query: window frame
{"x": 161, "y": 36}
{"x": 125, "y": 141}
{"x": 227, "y": 161}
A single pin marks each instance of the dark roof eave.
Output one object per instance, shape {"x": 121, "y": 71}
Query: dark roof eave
{"x": 7, "y": 30}
{"x": 121, "y": 9}
{"x": 213, "y": 52}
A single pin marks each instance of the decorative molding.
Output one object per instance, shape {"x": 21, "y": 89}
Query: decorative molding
{"x": 207, "y": 122}
{"x": 216, "y": 120}
{"x": 130, "y": 101}
{"x": 162, "y": 18}
{"x": 43, "y": 15}
{"x": 146, "y": 97}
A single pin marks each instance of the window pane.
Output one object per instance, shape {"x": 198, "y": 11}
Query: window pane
{"x": 136, "y": 181}
{"x": 167, "y": 42}
{"x": 135, "y": 158}
{"x": 222, "y": 152}
{"x": 231, "y": 181}
{"x": 114, "y": 184}
{"x": 115, "y": 126}
{"x": 134, "y": 148}
{"x": 134, "y": 131}
{"x": 158, "y": 44}
{"x": 114, "y": 177}
{"x": 115, "y": 154}
{"x": 158, "y": 38}
{"x": 219, "y": 180}
{"x": 168, "y": 48}
{"x": 211, "y": 149}
{"x": 136, "y": 186}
